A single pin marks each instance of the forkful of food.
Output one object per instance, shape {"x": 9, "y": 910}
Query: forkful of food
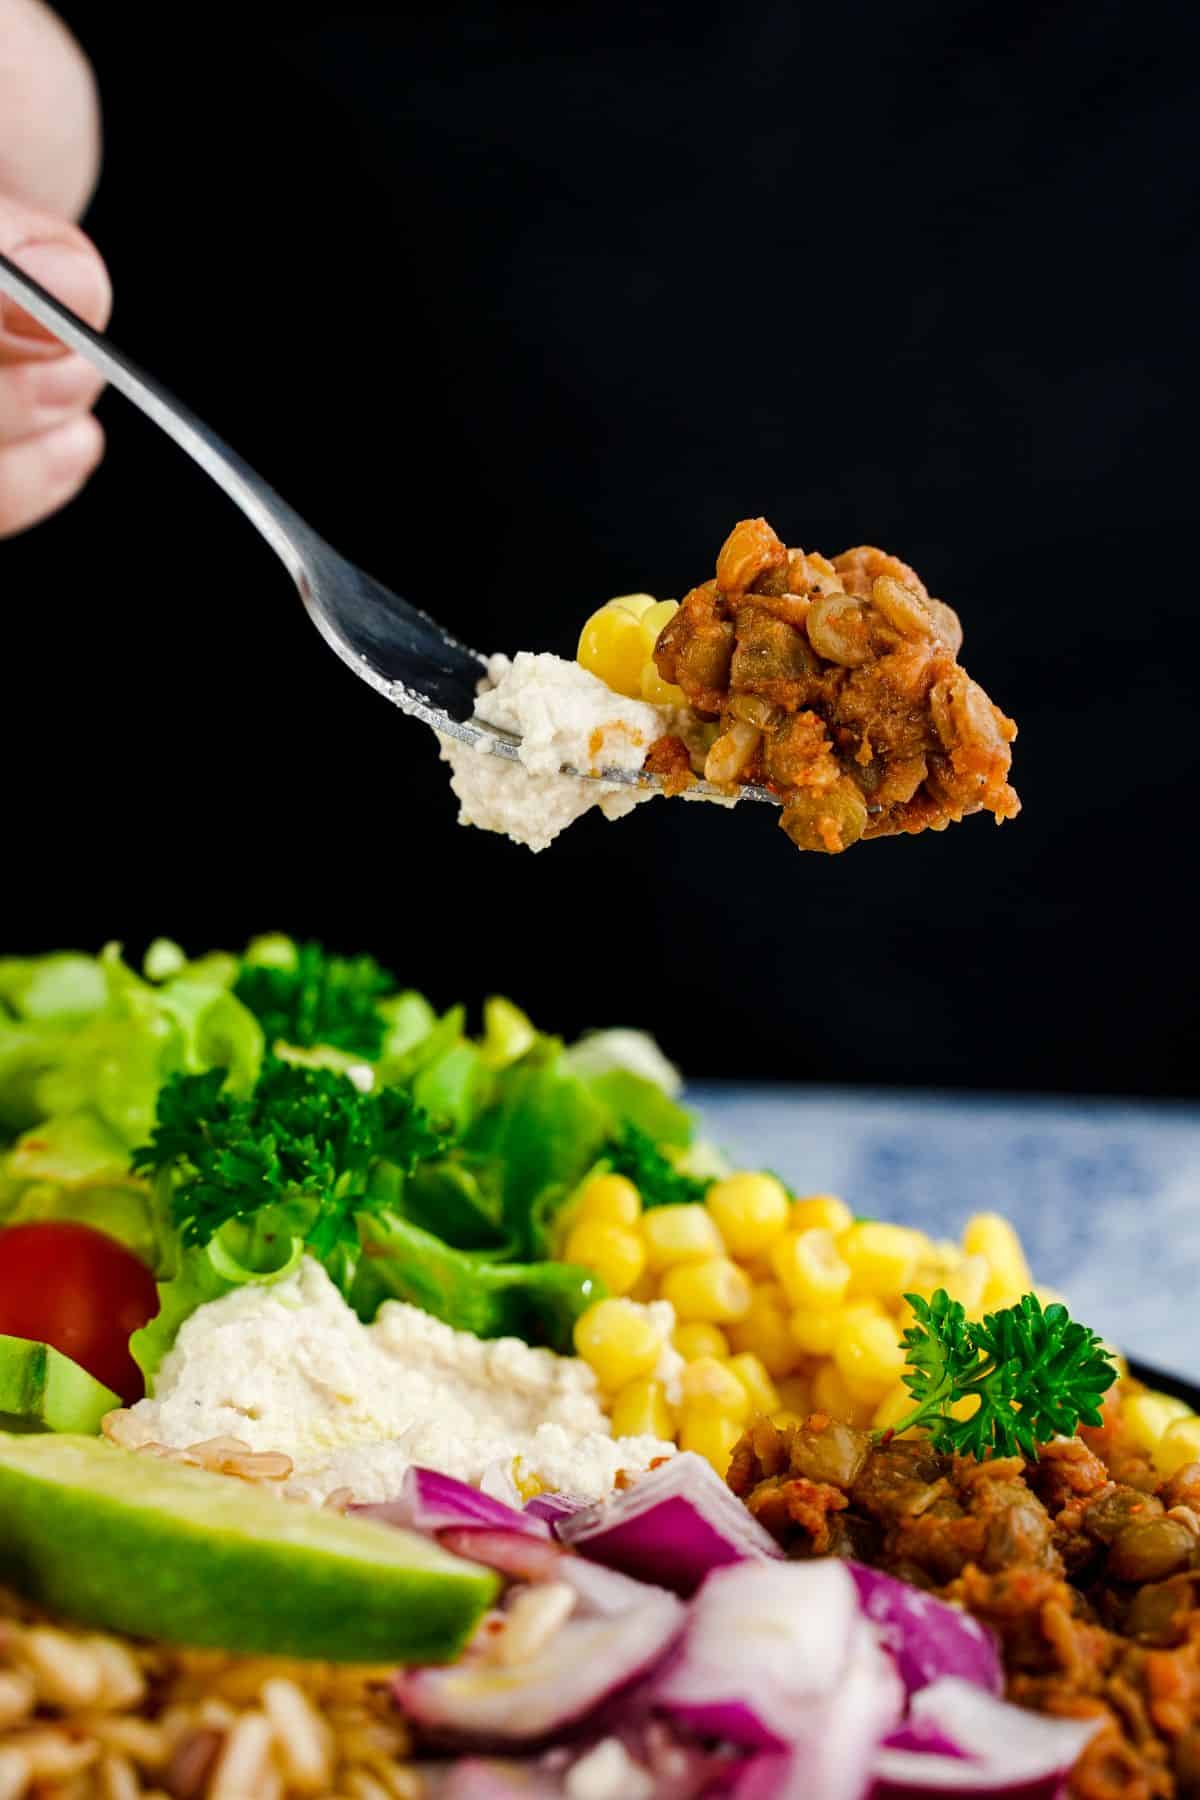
{"x": 831, "y": 688}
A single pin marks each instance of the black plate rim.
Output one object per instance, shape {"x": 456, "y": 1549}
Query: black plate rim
{"x": 1164, "y": 1383}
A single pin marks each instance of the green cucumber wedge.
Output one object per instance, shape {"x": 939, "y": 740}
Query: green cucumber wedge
{"x": 136, "y": 1544}
{"x": 43, "y": 1390}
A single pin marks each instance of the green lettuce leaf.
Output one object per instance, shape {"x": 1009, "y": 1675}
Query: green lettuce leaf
{"x": 537, "y": 1301}
{"x": 203, "y": 1274}
{"x": 633, "y": 1101}
{"x": 117, "y": 1061}
{"x": 64, "y": 985}
{"x": 28, "y": 1051}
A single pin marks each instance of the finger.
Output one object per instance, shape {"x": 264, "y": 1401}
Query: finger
{"x": 59, "y": 256}
{"x": 40, "y": 474}
{"x": 36, "y": 396}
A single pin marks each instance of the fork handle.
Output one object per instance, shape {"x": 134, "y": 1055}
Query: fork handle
{"x": 286, "y": 532}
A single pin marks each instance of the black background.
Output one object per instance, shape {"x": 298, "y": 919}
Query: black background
{"x": 523, "y": 307}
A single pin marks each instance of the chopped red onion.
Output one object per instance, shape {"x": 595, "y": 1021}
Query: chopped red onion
{"x": 927, "y": 1637}
{"x": 617, "y": 1633}
{"x": 925, "y": 1738}
{"x": 429, "y": 1501}
{"x": 517, "y": 1554}
{"x": 553, "y": 1507}
{"x": 646, "y": 1764}
{"x": 672, "y": 1526}
{"x": 480, "y": 1778}
{"x": 1003, "y": 1751}
{"x": 781, "y": 1658}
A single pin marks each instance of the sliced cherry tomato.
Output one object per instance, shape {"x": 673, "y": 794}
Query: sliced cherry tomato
{"x": 81, "y": 1292}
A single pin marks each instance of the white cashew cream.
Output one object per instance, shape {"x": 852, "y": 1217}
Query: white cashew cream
{"x": 290, "y": 1367}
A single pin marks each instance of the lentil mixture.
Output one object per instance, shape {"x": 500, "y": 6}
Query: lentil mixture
{"x": 1085, "y": 1564}
{"x": 836, "y": 684}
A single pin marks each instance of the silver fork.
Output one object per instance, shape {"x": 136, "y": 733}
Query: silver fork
{"x": 394, "y": 647}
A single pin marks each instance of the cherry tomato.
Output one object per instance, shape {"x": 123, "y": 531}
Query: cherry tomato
{"x": 81, "y": 1292}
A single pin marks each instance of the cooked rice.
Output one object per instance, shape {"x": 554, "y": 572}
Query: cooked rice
{"x": 88, "y": 1715}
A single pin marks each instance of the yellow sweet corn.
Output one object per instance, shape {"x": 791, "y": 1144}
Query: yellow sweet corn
{"x": 894, "y": 1406}
{"x": 764, "y": 1331}
{"x": 830, "y": 1395}
{"x": 882, "y": 1258}
{"x": 616, "y": 1255}
{"x": 677, "y": 1234}
{"x": 992, "y": 1237}
{"x": 654, "y": 620}
{"x": 709, "y": 1386}
{"x": 1179, "y": 1444}
{"x": 710, "y": 1436}
{"x": 795, "y": 1394}
{"x": 657, "y": 691}
{"x": 1147, "y": 1417}
{"x": 715, "y": 1291}
{"x": 528, "y": 1484}
{"x": 750, "y": 1210}
{"x": 612, "y": 645}
{"x": 967, "y": 1283}
{"x": 611, "y": 1198}
{"x": 868, "y": 1355}
{"x": 814, "y": 1333}
{"x": 784, "y": 1420}
{"x": 823, "y": 1210}
{"x": 760, "y": 1389}
{"x": 640, "y": 1409}
{"x": 618, "y": 1342}
{"x": 699, "y": 1339}
{"x": 810, "y": 1269}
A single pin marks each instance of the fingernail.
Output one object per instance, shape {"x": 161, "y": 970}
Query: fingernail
{"x": 71, "y": 275}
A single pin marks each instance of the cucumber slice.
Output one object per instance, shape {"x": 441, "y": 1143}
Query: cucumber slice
{"x": 43, "y": 1390}
{"x": 136, "y": 1544}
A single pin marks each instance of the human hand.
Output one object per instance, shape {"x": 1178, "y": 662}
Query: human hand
{"x": 49, "y": 161}
{"x": 49, "y": 442}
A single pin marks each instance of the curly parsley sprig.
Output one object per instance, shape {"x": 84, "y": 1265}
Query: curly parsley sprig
{"x": 1034, "y": 1371}
{"x": 319, "y": 999}
{"x": 304, "y": 1136}
{"x": 634, "y": 1153}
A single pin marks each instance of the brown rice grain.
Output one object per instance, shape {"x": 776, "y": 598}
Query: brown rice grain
{"x": 118, "y": 1780}
{"x": 244, "y": 1766}
{"x": 192, "y": 1762}
{"x": 143, "y": 1743}
{"x": 123, "y": 1428}
{"x": 16, "y": 1698}
{"x": 362, "y": 1786}
{"x": 122, "y": 1683}
{"x": 52, "y": 1755}
{"x": 15, "y": 1774}
{"x": 75, "y": 1787}
{"x": 233, "y": 1456}
{"x": 303, "y": 1740}
{"x": 65, "y": 1670}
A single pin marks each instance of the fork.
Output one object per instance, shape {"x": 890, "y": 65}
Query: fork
{"x": 391, "y": 645}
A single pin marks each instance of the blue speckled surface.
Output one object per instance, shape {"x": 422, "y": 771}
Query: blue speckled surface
{"x": 1106, "y": 1195}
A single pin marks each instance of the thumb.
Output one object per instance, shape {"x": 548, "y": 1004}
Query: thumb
{"x": 65, "y": 261}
